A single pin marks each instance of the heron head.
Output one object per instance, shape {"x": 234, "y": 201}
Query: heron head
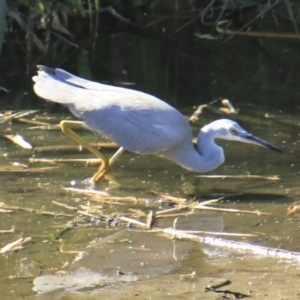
{"x": 230, "y": 130}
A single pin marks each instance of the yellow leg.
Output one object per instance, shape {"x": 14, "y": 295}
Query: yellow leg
{"x": 67, "y": 126}
{"x": 99, "y": 174}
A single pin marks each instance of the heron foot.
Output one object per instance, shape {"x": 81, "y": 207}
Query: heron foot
{"x": 100, "y": 175}
{"x": 103, "y": 169}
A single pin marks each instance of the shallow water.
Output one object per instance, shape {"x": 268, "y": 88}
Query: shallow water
{"x": 152, "y": 263}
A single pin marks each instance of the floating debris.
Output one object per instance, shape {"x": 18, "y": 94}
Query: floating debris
{"x": 12, "y": 230}
{"x": 21, "y": 168}
{"x": 194, "y": 117}
{"x": 188, "y": 276}
{"x": 239, "y": 247}
{"x": 228, "y": 109}
{"x": 19, "y": 140}
{"x": 16, "y": 245}
{"x": 294, "y": 208}
{"x": 8, "y": 116}
{"x": 271, "y": 177}
{"x": 41, "y": 212}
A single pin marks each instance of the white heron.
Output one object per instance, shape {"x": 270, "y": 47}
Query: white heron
{"x": 137, "y": 122}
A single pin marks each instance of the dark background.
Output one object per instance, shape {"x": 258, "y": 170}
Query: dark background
{"x": 179, "y": 51}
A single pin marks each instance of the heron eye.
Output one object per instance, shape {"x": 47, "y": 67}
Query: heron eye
{"x": 233, "y": 131}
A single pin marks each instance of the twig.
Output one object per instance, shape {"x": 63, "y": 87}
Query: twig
{"x": 231, "y": 210}
{"x": 212, "y": 201}
{"x": 8, "y": 230}
{"x": 5, "y": 211}
{"x": 103, "y": 196}
{"x": 65, "y": 205}
{"x": 133, "y": 221}
{"x": 273, "y": 177}
{"x": 194, "y": 117}
{"x": 170, "y": 198}
{"x": 56, "y": 148}
{"x": 87, "y": 192}
{"x": 179, "y": 208}
{"x": 256, "y": 34}
{"x": 23, "y": 169}
{"x": 4, "y": 89}
{"x": 43, "y": 212}
{"x": 174, "y": 215}
{"x": 60, "y": 160}
{"x": 236, "y": 246}
{"x": 219, "y": 233}
{"x": 70, "y": 251}
{"x": 19, "y": 140}
{"x": 228, "y": 109}
{"x": 16, "y": 245}
{"x": 74, "y": 148}
{"x": 31, "y": 122}
{"x": 84, "y": 213}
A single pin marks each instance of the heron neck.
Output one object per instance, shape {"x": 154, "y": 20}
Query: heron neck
{"x": 212, "y": 154}
{"x": 203, "y": 157}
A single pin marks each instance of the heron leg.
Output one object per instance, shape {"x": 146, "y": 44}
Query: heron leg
{"x": 67, "y": 128}
{"x": 97, "y": 176}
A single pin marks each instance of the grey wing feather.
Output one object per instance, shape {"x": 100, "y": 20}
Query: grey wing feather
{"x": 136, "y": 121}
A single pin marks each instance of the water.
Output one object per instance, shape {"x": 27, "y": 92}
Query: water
{"x": 152, "y": 263}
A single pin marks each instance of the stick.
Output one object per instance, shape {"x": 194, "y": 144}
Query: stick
{"x": 272, "y": 177}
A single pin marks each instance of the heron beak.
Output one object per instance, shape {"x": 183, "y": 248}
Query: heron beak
{"x": 249, "y": 138}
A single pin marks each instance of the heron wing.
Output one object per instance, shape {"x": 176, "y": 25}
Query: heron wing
{"x": 137, "y": 121}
